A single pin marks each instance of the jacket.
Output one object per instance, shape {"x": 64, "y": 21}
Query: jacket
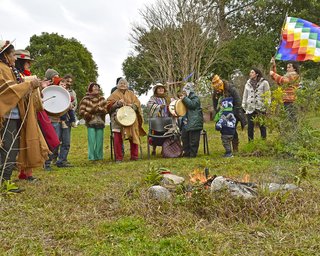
{"x": 194, "y": 117}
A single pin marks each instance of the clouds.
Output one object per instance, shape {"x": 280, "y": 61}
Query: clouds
{"x": 103, "y": 27}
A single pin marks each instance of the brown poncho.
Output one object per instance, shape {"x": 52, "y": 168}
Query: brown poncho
{"x": 134, "y": 131}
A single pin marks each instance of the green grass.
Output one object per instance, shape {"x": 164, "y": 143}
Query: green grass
{"x": 102, "y": 208}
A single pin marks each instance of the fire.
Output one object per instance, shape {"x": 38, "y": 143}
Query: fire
{"x": 197, "y": 176}
{"x": 246, "y": 178}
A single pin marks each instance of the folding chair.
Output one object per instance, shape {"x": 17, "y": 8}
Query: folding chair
{"x": 158, "y": 124}
{"x": 205, "y": 142}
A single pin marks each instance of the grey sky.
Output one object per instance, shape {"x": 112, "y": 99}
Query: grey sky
{"x": 102, "y": 26}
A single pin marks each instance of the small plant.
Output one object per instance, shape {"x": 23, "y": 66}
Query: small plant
{"x": 153, "y": 176}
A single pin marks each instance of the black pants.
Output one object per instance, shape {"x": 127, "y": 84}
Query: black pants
{"x": 263, "y": 129}
{"x": 190, "y": 142}
{"x": 226, "y": 142}
{"x": 8, "y": 157}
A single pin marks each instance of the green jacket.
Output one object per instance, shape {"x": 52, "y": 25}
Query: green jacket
{"x": 194, "y": 116}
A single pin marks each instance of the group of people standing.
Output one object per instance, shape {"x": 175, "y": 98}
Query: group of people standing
{"x": 31, "y": 137}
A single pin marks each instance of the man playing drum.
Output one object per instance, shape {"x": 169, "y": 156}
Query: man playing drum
{"x": 119, "y": 98}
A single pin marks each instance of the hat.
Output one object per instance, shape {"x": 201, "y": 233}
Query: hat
{"x": 227, "y": 104}
{"x": 118, "y": 80}
{"x": 189, "y": 87}
{"x": 159, "y": 85}
{"x": 4, "y": 44}
{"x": 23, "y": 54}
{"x": 217, "y": 84}
{"x": 50, "y": 73}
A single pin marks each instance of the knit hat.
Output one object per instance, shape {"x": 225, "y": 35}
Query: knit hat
{"x": 189, "y": 87}
{"x": 227, "y": 104}
{"x": 217, "y": 83}
{"x": 50, "y": 73}
{"x": 23, "y": 54}
{"x": 159, "y": 85}
{"x": 4, "y": 44}
{"x": 91, "y": 85}
{"x": 118, "y": 80}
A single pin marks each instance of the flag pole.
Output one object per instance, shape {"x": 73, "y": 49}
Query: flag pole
{"x": 283, "y": 24}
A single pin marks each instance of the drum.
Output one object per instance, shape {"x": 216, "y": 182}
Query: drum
{"x": 126, "y": 116}
{"x": 56, "y": 100}
{"x": 177, "y": 108}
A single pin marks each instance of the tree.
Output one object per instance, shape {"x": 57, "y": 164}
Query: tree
{"x": 67, "y": 56}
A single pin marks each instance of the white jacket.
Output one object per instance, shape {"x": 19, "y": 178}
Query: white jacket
{"x": 256, "y": 99}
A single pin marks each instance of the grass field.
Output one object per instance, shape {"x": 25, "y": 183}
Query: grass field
{"x": 102, "y": 208}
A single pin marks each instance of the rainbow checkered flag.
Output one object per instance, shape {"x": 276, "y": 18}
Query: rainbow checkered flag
{"x": 300, "y": 41}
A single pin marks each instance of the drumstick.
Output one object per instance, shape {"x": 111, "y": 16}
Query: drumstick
{"x": 49, "y": 98}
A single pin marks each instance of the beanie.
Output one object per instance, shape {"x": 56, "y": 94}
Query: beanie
{"x": 50, "y": 73}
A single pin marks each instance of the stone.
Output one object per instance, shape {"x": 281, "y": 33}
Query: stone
{"x": 169, "y": 179}
{"x": 159, "y": 193}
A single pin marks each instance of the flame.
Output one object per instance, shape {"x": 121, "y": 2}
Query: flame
{"x": 197, "y": 176}
{"x": 246, "y": 178}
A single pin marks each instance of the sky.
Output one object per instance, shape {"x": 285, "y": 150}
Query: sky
{"x": 102, "y": 26}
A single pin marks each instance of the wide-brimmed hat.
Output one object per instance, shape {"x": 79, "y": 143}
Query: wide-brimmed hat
{"x": 154, "y": 88}
{"x": 23, "y": 54}
{"x": 4, "y": 44}
{"x": 217, "y": 83}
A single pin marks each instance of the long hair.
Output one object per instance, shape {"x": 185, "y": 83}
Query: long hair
{"x": 258, "y": 72}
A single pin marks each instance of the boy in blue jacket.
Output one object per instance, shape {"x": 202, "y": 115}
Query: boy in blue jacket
{"x": 226, "y": 124}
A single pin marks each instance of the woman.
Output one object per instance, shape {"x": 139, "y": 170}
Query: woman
{"x": 290, "y": 83}
{"x": 23, "y": 64}
{"x": 192, "y": 122}
{"x": 256, "y": 98}
{"x": 93, "y": 110}
{"x": 158, "y": 107}
{"x": 124, "y": 97}
{"x": 19, "y": 129}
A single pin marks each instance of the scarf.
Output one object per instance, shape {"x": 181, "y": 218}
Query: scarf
{"x": 254, "y": 83}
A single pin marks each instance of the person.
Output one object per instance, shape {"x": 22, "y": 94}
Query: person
{"x": 23, "y": 64}
{"x": 60, "y": 153}
{"x": 290, "y": 83}
{"x": 70, "y": 116}
{"x": 256, "y": 98}
{"x": 226, "y": 124}
{"x": 223, "y": 89}
{"x": 74, "y": 102}
{"x": 122, "y": 96}
{"x": 19, "y": 129}
{"x": 93, "y": 110}
{"x": 158, "y": 107}
{"x": 192, "y": 122}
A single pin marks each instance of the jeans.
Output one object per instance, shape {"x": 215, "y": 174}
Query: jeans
{"x": 8, "y": 157}
{"x": 263, "y": 129}
{"x": 64, "y": 136}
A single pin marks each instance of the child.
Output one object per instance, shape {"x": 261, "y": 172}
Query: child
{"x": 226, "y": 124}
{"x": 70, "y": 115}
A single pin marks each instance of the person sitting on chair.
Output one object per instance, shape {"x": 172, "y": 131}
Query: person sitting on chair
{"x": 158, "y": 107}
{"x": 119, "y": 98}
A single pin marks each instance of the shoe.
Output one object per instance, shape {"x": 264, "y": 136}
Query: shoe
{"x": 228, "y": 155}
{"x": 64, "y": 164}
{"x": 31, "y": 179}
{"x": 47, "y": 168}
{"x": 16, "y": 190}
{"x": 64, "y": 125}
{"x": 118, "y": 161}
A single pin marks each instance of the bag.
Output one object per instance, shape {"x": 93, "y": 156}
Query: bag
{"x": 171, "y": 148}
